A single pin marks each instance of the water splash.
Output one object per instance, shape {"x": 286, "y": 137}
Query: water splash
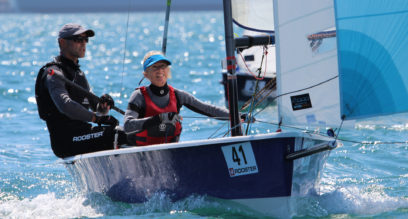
{"x": 352, "y": 200}
{"x": 46, "y": 206}
{"x": 100, "y": 206}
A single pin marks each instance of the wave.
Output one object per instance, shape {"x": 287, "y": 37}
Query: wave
{"x": 372, "y": 200}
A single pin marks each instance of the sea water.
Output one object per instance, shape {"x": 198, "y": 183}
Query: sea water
{"x": 364, "y": 178}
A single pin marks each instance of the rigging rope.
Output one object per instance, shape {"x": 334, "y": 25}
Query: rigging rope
{"x": 264, "y": 53}
{"x": 262, "y": 94}
{"x": 209, "y": 137}
{"x": 341, "y": 139}
{"x": 301, "y": 129}
{"x": 124, "y": 52}
{"x": 306, "y": 88}
{"x": 257, "y": 94}
{"x": 257, "y": 78}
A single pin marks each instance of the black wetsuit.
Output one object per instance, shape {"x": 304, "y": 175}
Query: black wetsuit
{"x": 66, "y": 112}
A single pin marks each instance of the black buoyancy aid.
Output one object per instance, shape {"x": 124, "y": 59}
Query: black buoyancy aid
{"x": 163, "y": 133}
{"x": 47, "y": 110}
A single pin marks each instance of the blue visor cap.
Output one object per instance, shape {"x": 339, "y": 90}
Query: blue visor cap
{"x": 153, "y": 59}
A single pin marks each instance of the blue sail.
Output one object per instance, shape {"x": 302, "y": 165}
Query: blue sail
{"x": 372, "y": 37}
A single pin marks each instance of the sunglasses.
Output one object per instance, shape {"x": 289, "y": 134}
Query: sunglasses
{"x": 78, "y": 39}
{"x": 158, "y": 67}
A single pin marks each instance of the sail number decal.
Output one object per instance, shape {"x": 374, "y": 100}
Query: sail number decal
{"x": 240, "y": 159}
{"x": 301, "y": 102}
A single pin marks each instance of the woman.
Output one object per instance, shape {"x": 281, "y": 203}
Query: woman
{"x": 152, "y": 116}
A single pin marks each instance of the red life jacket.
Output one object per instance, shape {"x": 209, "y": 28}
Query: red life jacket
{"x": 163, "y": 133}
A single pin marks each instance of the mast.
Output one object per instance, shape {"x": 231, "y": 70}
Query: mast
{"x": 232, "y": 87}
{"x": 166, "y": 27}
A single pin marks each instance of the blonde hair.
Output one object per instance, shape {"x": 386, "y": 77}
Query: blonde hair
{"x": 152, "y": 53}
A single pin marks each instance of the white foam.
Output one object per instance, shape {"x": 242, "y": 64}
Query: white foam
{"x": 334, "y": 199}
{"x": 46, "y": 206}
{"x": 369, "y": 200}
{"x": 100, "y": 206}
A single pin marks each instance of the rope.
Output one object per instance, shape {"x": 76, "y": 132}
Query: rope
{"x": 206, "y": 117}
{"x": 336, "y": 138}
{"x": 262, "y": 94}
{"x": 219, "y": 118}
{"x": 124, "y": 52}
{"x": 257, "y": 78}
{"x": 217, "y": 130}
{"x": 203, "y": 117}
{"x": 318, "y": 84}
{"x": 341, "y": 125}
{"x": 264, "y": 54}
{"x": 284, "y": 94}
{"x": 255, "y": 91}
{"x": 229, "y": 130}
{"x": 301, "y": 129}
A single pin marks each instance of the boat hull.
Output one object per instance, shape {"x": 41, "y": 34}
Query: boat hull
{"x": 202, "y": 168}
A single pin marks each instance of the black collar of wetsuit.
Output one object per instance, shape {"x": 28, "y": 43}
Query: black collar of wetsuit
{"x": 69, "y": 62}
{"x": 159, "y": 91}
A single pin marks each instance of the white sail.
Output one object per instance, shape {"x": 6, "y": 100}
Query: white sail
{"x": 307, "y": 72}
{"x": 253, "y": 15}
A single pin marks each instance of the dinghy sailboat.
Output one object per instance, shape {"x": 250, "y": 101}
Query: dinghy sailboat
{"x": 329, "y": 64}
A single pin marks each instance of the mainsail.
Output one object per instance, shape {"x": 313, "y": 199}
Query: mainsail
{"x": 253, "y": 15}
{"x": 373, "y": 51}
{"x": 307, "y": 71}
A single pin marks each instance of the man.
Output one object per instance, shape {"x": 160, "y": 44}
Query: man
{"x": 65, "y": 109}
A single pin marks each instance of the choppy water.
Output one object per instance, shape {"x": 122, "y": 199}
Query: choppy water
{"x": 358, "y": 180}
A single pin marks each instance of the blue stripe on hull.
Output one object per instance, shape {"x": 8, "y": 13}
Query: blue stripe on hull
{"x": 181, "y": 172}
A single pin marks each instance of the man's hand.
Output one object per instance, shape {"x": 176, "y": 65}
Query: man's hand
{"x": 105, "y": 103}
{"x": 171, "y": 118}
{"x": 106, "y": 120}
